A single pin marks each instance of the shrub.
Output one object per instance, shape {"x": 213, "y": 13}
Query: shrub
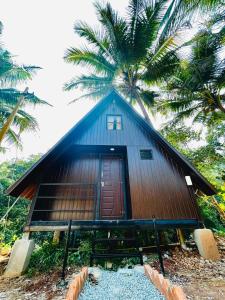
{"x": 45, "y": 257}
{"x": 49, "y": 255}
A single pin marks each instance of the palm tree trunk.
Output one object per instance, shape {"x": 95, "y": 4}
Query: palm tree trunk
{"x": 144, "y": 111}
{"x": 9, "y": 121}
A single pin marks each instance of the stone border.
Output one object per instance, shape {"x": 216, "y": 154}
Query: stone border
{"x": 77, "y": 285}
{"x": 171, "y": 292}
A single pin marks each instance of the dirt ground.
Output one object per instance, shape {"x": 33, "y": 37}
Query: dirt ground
{"x": 201, "y": 279}
{"x": 41, "y": 287}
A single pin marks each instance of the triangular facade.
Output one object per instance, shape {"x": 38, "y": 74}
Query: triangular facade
{"x": 120, "y": 165}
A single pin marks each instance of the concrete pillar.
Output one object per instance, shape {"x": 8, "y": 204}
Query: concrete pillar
{"x": 19, "y": 258}
{"x": 206, "y": 244}
{"x": 26, "y": 235}
{"x": 56, "y": 236}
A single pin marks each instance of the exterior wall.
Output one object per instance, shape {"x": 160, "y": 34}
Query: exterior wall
{"x": 61, "y": 199}
{"x": 157, "y": 187}
{"x": 132, "y": 134}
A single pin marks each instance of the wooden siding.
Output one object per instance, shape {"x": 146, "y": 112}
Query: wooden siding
{"x": 131, "y": 133}
{"x": 81, "y": 172}
{"x": 157, "y": 187}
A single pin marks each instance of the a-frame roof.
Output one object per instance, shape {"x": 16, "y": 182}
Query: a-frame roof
{"x": 17, "y": 188}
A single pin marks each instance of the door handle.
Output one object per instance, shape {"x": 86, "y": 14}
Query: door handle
{"x": 102, "y": 183}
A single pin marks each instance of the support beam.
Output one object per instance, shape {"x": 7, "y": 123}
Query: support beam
{"x": 66, "y": 250}
{"x": 181, "y": 239}
{"x": 98, "y": 224}
{"x": 158, "y": 247}
{"x": 56, "y": 236}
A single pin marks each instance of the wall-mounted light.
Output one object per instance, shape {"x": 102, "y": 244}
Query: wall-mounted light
{"x": 112, "y": 149}
{"x": 188, "y": 180}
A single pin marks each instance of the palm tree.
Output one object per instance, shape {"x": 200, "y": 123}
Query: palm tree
{"x": 124, "y": 53}
{"x": 180, "y": 13}
{"x": 13, "y": 118}
{"x": 196, "y": 90}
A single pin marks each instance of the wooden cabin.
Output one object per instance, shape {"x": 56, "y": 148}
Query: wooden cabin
{"x": 112, "y": 169}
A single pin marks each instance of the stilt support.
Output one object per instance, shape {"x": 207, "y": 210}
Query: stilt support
{"x": 181, "y": 239}
{"x": 157, "y": 239}
{"x": 66, "y": 250}
{"x": 56, "y": 236}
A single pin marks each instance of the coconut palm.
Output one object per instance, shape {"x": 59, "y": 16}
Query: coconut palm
{"x": 124, "y": 53}
{"x": 181, "y": 13}
{"x": 196, "y": 90}
{"x": 13, "y": 118}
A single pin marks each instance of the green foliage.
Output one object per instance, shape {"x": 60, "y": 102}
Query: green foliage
{"x": 49, "y": 255}
{"x": 13, "y": 101}
{"x": 82, "y": 255}
{"x": 209, "y": 159}
{"x": 211, "y": 216}
{"x": 45, "y": 257}
{"x": 196, "y": 89}
{"x": 12, "y": 227}
{"x": 125, "y": 53}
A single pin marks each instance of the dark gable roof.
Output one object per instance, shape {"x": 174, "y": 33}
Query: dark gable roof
{"x": 18, "y": 187}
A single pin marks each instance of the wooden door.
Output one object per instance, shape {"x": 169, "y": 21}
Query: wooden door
{"x": 112, "y": 194}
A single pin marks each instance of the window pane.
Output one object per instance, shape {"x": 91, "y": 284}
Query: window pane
{"x": 118, "y": 123}
{"x": 110, "y": 119}
{"x": 114, "y": 122}
{"x": 110, "y": 126}
{"x": 146, "y": 154}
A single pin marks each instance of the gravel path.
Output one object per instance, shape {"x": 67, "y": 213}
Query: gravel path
{"x": 124, "y": 284}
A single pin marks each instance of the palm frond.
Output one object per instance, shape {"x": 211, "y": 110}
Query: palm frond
{"x": 90, "y": 59}
{"x": 13, "y": 138}
{"x": 17, "y": 74}
{"x": 162, "y": 69}
{"x": 88, "y": 81}
{"x": 31, "y": 98}
{"x": 115, "y": 28}
{"x": 9, "y": 96}
{"x": 25, "y": 121}
{"x": 168, "y": 45}
{"x": 142, "y": 27}
{"x": 94, "y": 94}
{"x": 179, "y": 14}
{"x": 96, "y": 38}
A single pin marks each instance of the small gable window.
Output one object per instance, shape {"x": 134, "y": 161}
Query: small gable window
{"x": 114, "y": 122}
{"x": 146, "y": 154}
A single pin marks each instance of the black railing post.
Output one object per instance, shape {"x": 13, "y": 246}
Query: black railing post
{"x": 158, "y": 247}
{"x": 66, "y": 250}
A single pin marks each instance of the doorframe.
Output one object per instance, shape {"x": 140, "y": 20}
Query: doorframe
{"x": 123, "y": 173}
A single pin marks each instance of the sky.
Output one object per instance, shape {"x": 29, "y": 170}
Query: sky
{"x": 38, "y": 32}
